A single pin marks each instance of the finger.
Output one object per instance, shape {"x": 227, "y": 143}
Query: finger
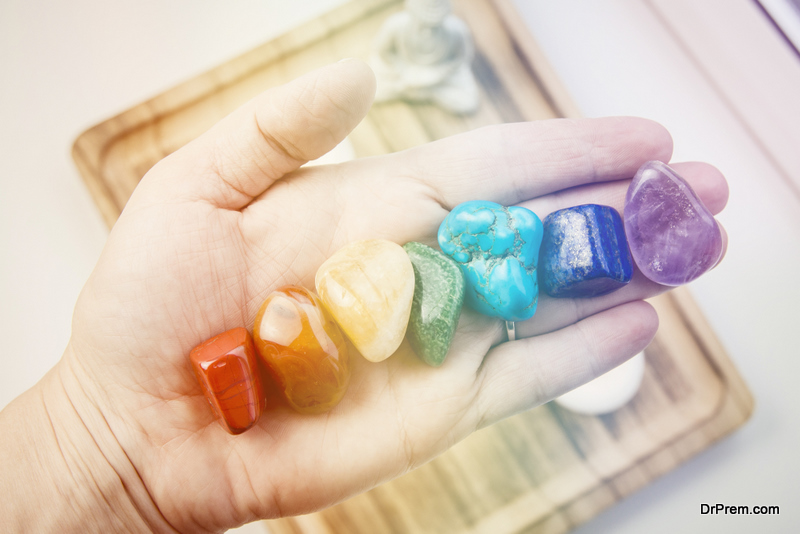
{"x": 706, "y": 180}
{"x": 724, "y": 244}
{"x": 555, "y": 313}
{"x": 512, "y": 163}
{"x": 272, "y": 135}
{"x": 522, "y": 374}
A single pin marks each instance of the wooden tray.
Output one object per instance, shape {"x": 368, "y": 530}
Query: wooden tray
{"x": 546, "y": 470}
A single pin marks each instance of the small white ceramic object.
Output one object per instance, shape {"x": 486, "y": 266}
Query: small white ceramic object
{"x": 424, "y": 54}
{"x": 608, "y": 392}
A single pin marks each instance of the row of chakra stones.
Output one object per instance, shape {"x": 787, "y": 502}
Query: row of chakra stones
{"x": 494, "y": 257}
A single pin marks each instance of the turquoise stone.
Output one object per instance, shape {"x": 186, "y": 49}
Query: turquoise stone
{"x": 438, "y": 296}
{"x": 497, "y": 248}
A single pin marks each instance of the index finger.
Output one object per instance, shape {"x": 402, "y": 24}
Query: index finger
{"x": 511, "y": 163}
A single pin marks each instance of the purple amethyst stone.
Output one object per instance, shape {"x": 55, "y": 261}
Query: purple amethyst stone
{"x": 672, "y": 236}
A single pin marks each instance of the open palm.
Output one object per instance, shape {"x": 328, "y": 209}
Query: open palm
{"x": 217, "y": 226}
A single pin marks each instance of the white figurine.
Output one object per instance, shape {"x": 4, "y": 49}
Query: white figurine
{"x": 423, "y": 55}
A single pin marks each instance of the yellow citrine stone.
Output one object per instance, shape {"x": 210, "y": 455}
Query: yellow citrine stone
{"x": 368, "y": 286}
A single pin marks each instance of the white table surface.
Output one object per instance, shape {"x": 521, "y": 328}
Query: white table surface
{"x": 65, "y": 66}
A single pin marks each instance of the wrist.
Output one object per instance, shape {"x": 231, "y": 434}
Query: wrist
{"x": 62, "y": 470}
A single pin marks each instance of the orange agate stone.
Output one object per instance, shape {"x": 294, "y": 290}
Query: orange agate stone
{"x": 303, "y": 349}
{"x": 227, "y": 370}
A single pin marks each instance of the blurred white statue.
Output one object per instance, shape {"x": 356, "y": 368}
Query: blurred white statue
{"x": 423, "y": 54}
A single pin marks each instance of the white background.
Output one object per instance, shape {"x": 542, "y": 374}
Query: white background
{"x": 65, "y": 66}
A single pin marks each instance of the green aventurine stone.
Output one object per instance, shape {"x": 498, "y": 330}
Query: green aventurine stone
{"x": 438, "y": 295}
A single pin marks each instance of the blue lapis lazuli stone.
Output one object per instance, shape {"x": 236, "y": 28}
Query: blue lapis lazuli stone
{"x": 497, "y": 248}
{"x": 584, "y": 252}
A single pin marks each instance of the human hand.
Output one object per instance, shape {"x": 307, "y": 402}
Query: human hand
{"x": 214, "y": 228}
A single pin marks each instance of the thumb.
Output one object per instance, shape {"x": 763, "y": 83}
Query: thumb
{"x": 270, "y": 136}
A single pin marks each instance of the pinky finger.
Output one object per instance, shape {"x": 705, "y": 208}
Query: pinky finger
{"x": 522, "y": 374}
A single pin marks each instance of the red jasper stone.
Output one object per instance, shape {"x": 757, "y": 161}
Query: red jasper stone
{"x": 227, "y": 370}
{"x": 303, "y": 348}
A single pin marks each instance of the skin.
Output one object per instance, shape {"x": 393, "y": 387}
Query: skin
{"x": 118, "y": 437}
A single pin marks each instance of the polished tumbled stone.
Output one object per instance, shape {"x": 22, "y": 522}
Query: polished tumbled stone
{"x": 438, "y": 296}
{"x": 672, "y": 235}
{"x": 303, "y": 349}
{"x": 584, "y": 252}
{"x": 497, "y": 248}
{"x": 368, "y": 286}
